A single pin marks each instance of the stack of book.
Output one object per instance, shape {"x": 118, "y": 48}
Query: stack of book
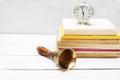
{"x": 99, "y": 38}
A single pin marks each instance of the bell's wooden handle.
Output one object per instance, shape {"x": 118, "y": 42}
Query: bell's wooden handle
{"x": 43, "y": 51}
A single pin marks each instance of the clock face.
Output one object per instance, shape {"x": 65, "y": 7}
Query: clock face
{"x": 83, "y": 12}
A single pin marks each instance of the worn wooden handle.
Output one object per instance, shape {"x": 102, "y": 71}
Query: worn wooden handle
{"x": 43, "y": 51}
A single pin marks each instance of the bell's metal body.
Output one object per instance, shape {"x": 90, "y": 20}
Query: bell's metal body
{"x": 65, "y": 59}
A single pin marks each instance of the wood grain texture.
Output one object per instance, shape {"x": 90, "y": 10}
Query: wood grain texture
{"x": 19, "y": 60}
{"x": 58, "y": 75}
{"x": 40, "y": 62}
{"x": 21, "y": 44}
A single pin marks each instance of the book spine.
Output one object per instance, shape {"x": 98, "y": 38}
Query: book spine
{"x": 97, "y": 54}
{"x": 93, "y": 50}
{"x": 97, "y": 46}
{"x": 89, "y": 37}
{"x": 101, "y": 55}
{"x": 99, "y": 32}
{"x": 117, "y": 41}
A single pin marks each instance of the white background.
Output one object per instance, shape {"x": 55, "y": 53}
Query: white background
{"x": 44, "y": 16}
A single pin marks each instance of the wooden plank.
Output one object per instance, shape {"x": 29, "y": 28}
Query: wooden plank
{"x": 40, "y": 62}
{"x": 20, "y": 44}
{"x": 20, "y": 60}
{"x": 59, "y": 75}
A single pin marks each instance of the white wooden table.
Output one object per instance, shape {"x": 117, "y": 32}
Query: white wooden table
{"x": 19, "y": 60}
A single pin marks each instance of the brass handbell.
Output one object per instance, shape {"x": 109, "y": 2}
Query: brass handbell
{"x": 66, "y": 58}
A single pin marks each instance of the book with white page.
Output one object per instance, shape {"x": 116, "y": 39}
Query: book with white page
{"x": 98, "y": 26}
